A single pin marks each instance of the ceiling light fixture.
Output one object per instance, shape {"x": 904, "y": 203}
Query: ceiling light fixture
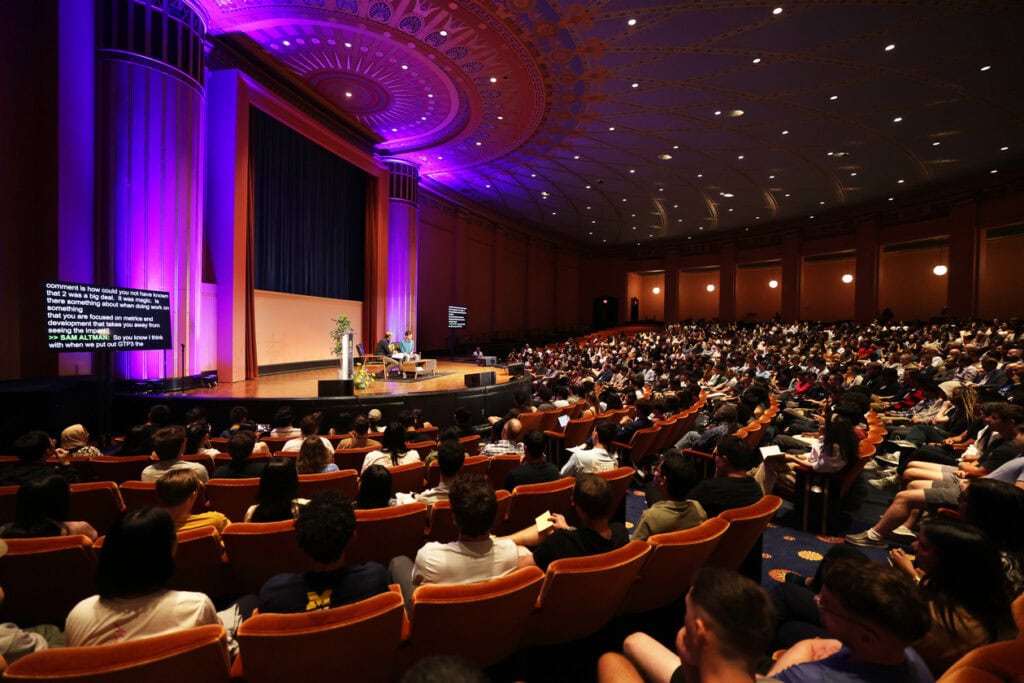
{"x": 773, "y": 283}
{"x": 890, "y": 47}
{"x": 834, "y": 98}
{"x": 710, "y": 287}
{"x": 898, "y": 119}
{"x": 655, "y": 290}
{"x": 635, "y": 85}
{"x": 777, "y": 11}
{"x": 847, "y": 278}
{"x": 785, "y": 132}
{"x": 940, "y": 270}
{"x": 611, "y": 128}
{"x": 347, "y": 44}
{"x": 757, "y": 60}
{"x": 631, "y": 22}
{"x": 718, "y": 112}
{"x": 986, "y": 67}
{"x": 664, "y": 157}
{"x": 348, "y": 94}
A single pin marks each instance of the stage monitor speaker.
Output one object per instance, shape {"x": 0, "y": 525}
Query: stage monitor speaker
{"x": 480, "y": 379}
{"x": 516, "y": 369}
{"x": 335, "y": 387}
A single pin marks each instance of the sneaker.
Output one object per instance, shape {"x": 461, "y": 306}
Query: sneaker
{"x": 889, "y": 458}
{"x": 871, "y": 466}
{"x": 886, "y": 482}
{"x": 863, "y": 540}
{"x": 885, "y": 472}
{"x": 906, "y": 533}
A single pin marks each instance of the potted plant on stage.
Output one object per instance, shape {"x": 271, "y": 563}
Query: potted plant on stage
{"x": 342, "y": 335}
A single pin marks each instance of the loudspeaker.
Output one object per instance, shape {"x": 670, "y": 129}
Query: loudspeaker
{"x": 480, "y": 379}
{"x": 335, "y": 387}
{"x": 516, "y": 369}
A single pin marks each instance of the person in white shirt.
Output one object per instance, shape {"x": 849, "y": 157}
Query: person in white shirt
{"x": 169, "y": 447}
{"x": 600, "y": 458}
{"x": 308, "y": 426}
{"x": 394, "y": 451}
{"x": 134, "y": 569}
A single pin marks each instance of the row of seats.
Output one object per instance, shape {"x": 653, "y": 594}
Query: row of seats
{"x": 483, "y": 622}
{"x": 255, "y": 552}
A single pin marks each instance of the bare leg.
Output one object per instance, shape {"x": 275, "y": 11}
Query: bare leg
{"x": 614, "y": 668}
{"x": 899, "y": 511}
{"x": 652, "y": 659}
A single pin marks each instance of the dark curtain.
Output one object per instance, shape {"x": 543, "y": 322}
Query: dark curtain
{"x": 309, "y": 214}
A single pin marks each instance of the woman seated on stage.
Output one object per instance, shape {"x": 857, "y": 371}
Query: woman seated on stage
{"x": 394, "y": 452}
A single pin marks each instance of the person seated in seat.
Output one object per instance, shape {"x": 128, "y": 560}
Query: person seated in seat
{"x": 277, "y": 498}
{"x": 535, "y": 468}
{"x": 592, "y": 501}
{"x": 732, "y": 486}
{"x": 315, "y": 457}
{"x": 874, "y": 614}
{"x": 308, "y": 426}
{"x": 393, "y": 452}
{"x": 323, "y": 529}
{"x": 358, "y": 439}
{"x": 41, "y": 509}
{"x": 240, "y": 446}
{"x": 75, "y": 440}
{"x": 284, "y": 424}
{"x": 600, "y": 457}
{"x": 169, "y": 447}
{"x": 511, "y": 442}
{"x": 32, "y": 450}
{"x": 674, "y": 477}
{"x": 383, "y": 347}
{"x": 374, "y": 488}
{"x": 135, "y": 566}
{"x": 177, "y": 491}
{"x": 450, "y": 458}
{"x": 728, "y": 625}
{"x": 475, "y": 556}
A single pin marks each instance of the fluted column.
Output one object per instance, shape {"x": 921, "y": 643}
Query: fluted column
{"x": 149, "y": 178}
{"x": 403, "y": 209}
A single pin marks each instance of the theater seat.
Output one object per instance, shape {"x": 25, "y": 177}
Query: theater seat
{"x": 65, "y": 563}
{"x": 384, "y": 533}
{"x": 195, "y": 655}
{"x": 530, "y": 500}
{"x": 258, "y": 551}
{"x": 313, "y": 647}
{"x": 740, "y": 546}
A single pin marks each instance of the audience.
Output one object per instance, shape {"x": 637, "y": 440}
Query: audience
{"x": 240, "y": 447}
{"x": 535, "y": 469}
{"x": 315, "y": 457}
{"x": 177, "y": 491}
{"x": 169, "y": 447}
{"x": 732, "y": 486}
{"x": 599, "y": 457}
{"x": 674, "y": 477}
{"x": 41, "y": 508}
{"x": 75, "y": 440}
{"x": 277, "y": 498}
{"x": 359, "y": 439}
{"x": 374, "y": 488}
{"x": 393, "y": 452}
{"x": 32, "y": 450}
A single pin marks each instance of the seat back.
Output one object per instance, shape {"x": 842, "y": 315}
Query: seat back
{"x": 258, "y": 551}
{"x": 530, "y": 500}
{"x": 67, "y": 564}
{"x": 345, "y": 482}
{"x": 577, "y": 431}
{"x": 232, "y": 497}
{"x": 675, "y": 557}
{"x": 473, "y": 465}
{"x": 490, "y": 615}
{"x": 994, "y": 663}
{"x": 471, "y": 443}
{"x": 384, "y": 533}
{"x": 313, "y": 647}
{"x": 204, "y": 460}
{"x": 275, "y": 443}
{"x": 619, "y": 479}
{"x": 407, "y": 478}
{"x": 550, "y": 420}
{"x": 569, "y": 608}
{"x": 755, "y": 432}
{"x": 499, "y": 466}
{"x": 352, "y": 458}
{"x": 138, "y": 494}
{"x": 96, "y": 502}
{"x": 199, "y": 562}
{"x": 746, "y": 524}
{"x": 427, "y": 434}
{"x": 196, "y": 655}
{"x": 530, "y": 420}
{"x": 117, "y": 469}
{"x": 641, "y": 446}
{"x": 442, "y": 524}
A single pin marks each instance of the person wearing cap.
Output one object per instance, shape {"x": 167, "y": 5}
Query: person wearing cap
{"x": 375, "y": 418}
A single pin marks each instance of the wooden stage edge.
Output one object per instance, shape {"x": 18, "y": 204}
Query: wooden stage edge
{"x": 303, "y": 384}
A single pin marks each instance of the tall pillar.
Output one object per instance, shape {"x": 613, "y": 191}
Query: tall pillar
{"x": 962, "y": 291}
{"x": 671, "y": 288}
{"x": 865, "y": 302}
{"x": 727, "y": 282}
{"x": 149, "y": 171}
{"x": 791, "y": 277}
{"x": 403, "y": 198}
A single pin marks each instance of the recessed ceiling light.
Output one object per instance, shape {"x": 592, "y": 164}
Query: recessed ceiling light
{"x": 994, "y": 171}
{"x": 727, "y": 195}
{"x": 785, "y": 132}
{"x": 611, "y": 127}
{"x": 286, "y": 43}
{"x": 632, "y": 170}
{"x": 575, "y": 156}
{"x": 588, "y": 187}
{"x": 664, "y": 157}
{"x": 740, "y": 156}
{"x": 554, "y": 213}
{"x": 675, "y": 146}
{"x": 487, "y": 185}
{"x": 853, "y": 173}
{"x": 500, "y": 117}
{"x": 735, "y": 113}
{"x": 900, "y": 181}
{"x": 756, "y": 60}
{"x": 777, "y": 10}
{"x": 635, "y": 85}
{"x": 591, "y": 232}
{"x": 787, "y": 194}
{"x": 394, "y": 130}
{"x": 533, "y": 175}
{"x": 1003, "y": 148}
{"x": 348, "y": 94}
{"x": 718, "y": 112}
{"x": 834, "y": 98}
{"x": 405, "y": 67}
{"x": 821, "y": 203}
{"x": 430, "y": 95}
{"x": 890, "y": 199}
{"x": 347, "y": 44}
{"x": 936, "y": 143}
{"x": 544, "y": 193}
{"x": 478, "y": 143}
{"x": 423, "y": 118}
{"x": 631, "y": 22}
{"x": 897, "y": 119}
{"x": 700, "y": 175}
{"x": 986, "y": 67}
{"x": 623, "y": 199}
{"x": 771, "y": 177}
{"x": 890, "y": 47}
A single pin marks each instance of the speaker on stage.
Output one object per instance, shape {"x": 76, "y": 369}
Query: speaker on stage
{"x": 516, "y": 369}
{"x": 335, "y": 387}
{"x": 480, "y": 379}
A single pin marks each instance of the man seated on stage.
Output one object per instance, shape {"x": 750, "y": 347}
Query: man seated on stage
{"x": 407, "y": 348}
{"x": 384, "y": 346}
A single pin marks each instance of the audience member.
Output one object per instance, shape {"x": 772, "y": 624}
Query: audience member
{"x": 41, "y": 509}
{"x": 32, "y": 450}
{"x": 674, "y": 477}
{"x": 374, "y": 488}
{"x": 599, "y": 457}
{"x": 358, "y": 439}
{"x": 732, "y": 486}
{"x": 278, "y": 496}
{"x": 240, "y": 446}
{"x": 314, "y": 457}
{"x": 511, "y": 441}
{"x": 308, "y": 426}
{"x": 169, "y": 447}
{"x": 323, "y": 529}
{"x": 177, "y": 491}
{"x": 393, "y": 452}
{"x": 535, "y": 468}
{"x": 75, "y": 440}
{"x": 138, "y": 441}
{"x": 450, "y": 457}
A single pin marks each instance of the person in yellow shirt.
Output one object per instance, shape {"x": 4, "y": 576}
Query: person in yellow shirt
{"x": 177, "y": 492}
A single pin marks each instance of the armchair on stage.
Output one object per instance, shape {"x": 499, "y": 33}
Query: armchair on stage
{"x": 384, "y": 365}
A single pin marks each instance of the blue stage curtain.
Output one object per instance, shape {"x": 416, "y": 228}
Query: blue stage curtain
{"x": 309, "y": 214}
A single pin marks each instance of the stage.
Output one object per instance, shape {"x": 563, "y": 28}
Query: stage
{"x": 303, "y": 384}
{"x": 437, "y": 396}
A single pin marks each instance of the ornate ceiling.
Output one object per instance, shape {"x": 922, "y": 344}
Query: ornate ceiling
{"x": 617, "y": 121}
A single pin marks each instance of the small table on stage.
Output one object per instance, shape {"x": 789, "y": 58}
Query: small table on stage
{"x": 412, "y": 367}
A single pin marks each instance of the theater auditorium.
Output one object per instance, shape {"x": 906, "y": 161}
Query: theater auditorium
{"x": 376, "y": 252}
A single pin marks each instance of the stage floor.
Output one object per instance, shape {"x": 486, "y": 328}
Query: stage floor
{"x": 304, "y": 383}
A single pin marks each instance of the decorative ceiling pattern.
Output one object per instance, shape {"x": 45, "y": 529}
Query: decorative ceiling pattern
{"x": 634, "y": 121}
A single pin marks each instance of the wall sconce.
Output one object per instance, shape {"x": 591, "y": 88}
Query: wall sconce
{"x": 847, "y": 278}
{"x": 656, "y": 290}
{"x": 710, "y": 287}
{"x": 773, "y": 283}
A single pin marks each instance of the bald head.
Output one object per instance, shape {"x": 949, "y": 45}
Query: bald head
{"x": 512, "y": 431}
